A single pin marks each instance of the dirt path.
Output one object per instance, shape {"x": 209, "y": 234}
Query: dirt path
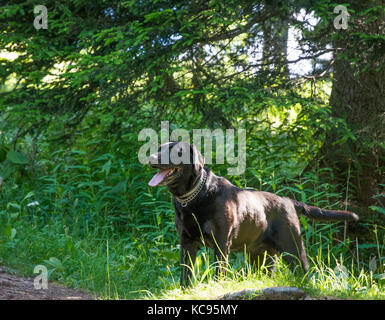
{"x": 13, "y": 287}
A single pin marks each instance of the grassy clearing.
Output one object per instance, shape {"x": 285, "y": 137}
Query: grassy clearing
{"x": 97, "y": 226}
{"x": 114, "y": 267}
{"x": 109, "y": 267}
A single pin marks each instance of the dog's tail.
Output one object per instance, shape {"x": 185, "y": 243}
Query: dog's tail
{"x": 321, "y": 214}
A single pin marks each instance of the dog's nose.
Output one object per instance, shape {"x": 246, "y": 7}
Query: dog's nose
{"x": 153, "y": 159}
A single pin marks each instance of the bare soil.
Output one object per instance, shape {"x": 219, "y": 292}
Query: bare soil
{"x": 13, "y": 287}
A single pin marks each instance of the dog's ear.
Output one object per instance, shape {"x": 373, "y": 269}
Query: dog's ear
{"x": 198, "y": 161}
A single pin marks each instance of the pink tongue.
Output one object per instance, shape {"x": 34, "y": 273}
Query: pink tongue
{"x": 158, "y": 178}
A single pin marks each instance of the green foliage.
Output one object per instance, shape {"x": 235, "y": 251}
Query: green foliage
{"x": 190, "y": 57}
{"x": 68, "y": 223}
{"x": 74, "y": 97}
{"x": 90, "y": 200}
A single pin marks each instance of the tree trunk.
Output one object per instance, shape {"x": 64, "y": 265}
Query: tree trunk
{"x": 275, "y": 37}
{"x": 358, "y": 96}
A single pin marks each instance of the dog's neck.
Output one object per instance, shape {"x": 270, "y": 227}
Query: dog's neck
{"x": 182, "y": 189}
{"x": 189, "y": 196}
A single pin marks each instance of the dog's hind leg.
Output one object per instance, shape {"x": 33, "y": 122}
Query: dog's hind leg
{"x": 262, "y": 256}
{"x": 288, "y": 239}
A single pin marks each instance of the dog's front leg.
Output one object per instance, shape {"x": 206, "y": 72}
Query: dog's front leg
{"x": 188, "y": 253}
{"x": 221, "y": 253}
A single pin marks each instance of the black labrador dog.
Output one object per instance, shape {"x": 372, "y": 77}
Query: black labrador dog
{"x": 225, "y": 217}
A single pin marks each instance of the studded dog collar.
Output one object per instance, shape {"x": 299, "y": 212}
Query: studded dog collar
{"x": 185, "y": 199}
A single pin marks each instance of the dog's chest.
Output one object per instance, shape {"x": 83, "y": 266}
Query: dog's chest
{"x": 194, "y": 225}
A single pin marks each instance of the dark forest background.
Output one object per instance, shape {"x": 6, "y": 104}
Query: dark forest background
{"x": 74, "y": 97}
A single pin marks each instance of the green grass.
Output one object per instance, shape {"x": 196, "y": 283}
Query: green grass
{"x": 97, "y": 226}
{"x": 108, "y": 266}
{"x": 118, "y": 267}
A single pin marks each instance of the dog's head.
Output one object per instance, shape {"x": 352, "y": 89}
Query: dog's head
{"x": 179, "y": 163}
